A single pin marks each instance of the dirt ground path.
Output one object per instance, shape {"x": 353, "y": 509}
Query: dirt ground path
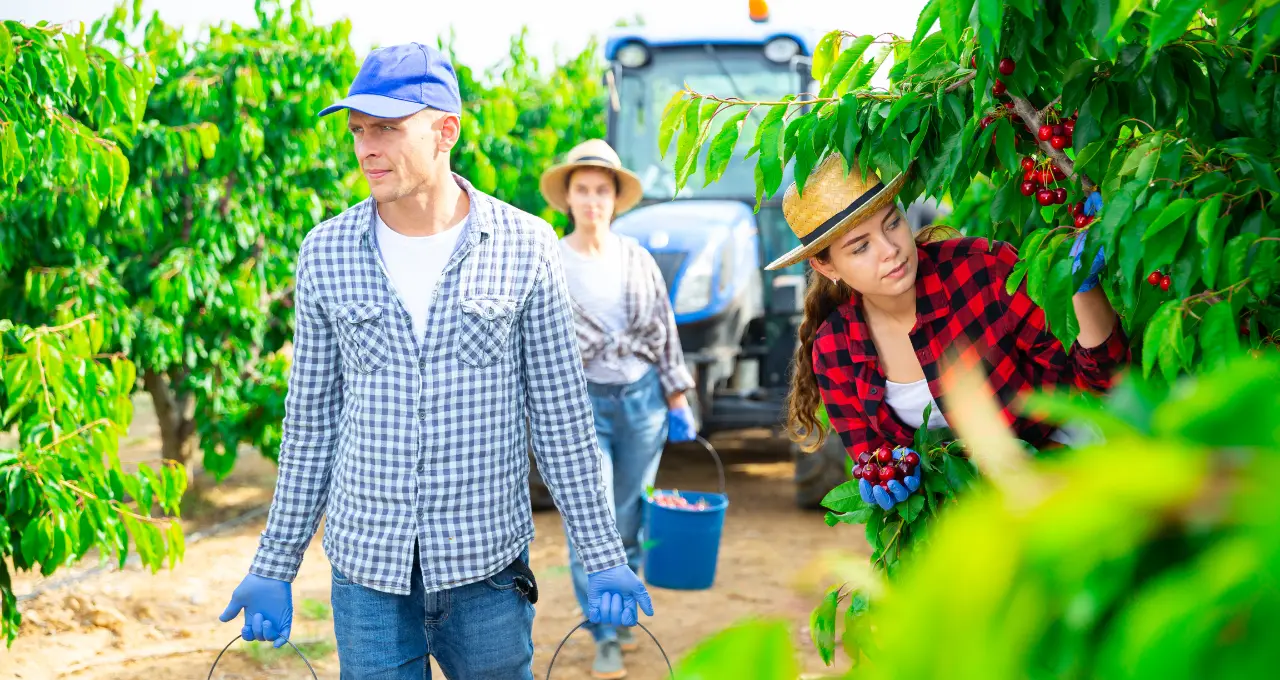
{"x": 125, "y": 624}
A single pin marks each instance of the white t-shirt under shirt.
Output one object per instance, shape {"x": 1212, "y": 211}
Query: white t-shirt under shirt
{"x": 596, "y": 283}
{"x": 415, "y": 264}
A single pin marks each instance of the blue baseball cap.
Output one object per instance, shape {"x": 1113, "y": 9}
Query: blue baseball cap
{"x": 401, "y": 80}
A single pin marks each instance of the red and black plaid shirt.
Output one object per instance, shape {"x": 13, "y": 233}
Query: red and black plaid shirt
{"x": 961, "y": 305}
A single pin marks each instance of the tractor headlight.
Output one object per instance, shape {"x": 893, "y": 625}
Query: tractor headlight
{"x": 633, "y": 55}
{"x": 694, "y": 291}
{"x": 781, "y": 49}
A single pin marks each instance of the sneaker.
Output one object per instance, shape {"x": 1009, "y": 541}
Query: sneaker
{"x": 627, "y": 639}
{"x": 608, "y": 663}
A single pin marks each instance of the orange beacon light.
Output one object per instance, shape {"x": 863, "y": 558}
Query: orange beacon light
{"x": 759, "y": 10}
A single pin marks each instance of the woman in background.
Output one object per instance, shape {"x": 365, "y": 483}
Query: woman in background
{"x": 636, "y": 375}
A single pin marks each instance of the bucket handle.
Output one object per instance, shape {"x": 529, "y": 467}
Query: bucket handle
{"x": 716, "y": 457}
{"x": 719, "y": 464}
{"x": 233, "y": 641}
{"x": 671, "y": 673}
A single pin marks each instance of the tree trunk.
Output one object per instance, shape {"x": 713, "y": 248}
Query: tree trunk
{"x": 176, "y": 423}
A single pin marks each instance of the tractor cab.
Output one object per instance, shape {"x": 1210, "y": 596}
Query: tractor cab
{"x": 736, "y": 320}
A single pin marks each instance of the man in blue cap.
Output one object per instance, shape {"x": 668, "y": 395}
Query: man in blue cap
{"x": 434, "y": 336}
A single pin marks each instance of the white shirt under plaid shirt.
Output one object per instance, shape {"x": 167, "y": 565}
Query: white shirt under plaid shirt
{"x": 398, "y": 442}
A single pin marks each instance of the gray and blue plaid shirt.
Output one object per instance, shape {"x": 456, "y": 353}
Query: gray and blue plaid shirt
{"x": 396, "y": 441}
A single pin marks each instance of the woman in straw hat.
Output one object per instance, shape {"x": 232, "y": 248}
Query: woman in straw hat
{"x": 631, "y": 353}
{"x": 884, "y": 307}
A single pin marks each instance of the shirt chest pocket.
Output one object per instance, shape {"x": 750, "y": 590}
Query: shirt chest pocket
{"x": 362, "y": 336}
{"x": 486, "y": 324}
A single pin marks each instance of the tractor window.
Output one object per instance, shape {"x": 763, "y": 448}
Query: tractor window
{"x": 740, "y": 71}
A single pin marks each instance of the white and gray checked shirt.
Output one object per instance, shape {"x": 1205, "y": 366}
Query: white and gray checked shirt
{"x": 396, "y": 440}
{"x": 651, "y": 332}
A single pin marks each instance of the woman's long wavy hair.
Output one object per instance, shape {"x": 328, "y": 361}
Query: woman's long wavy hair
{"x": 822, "y": 297}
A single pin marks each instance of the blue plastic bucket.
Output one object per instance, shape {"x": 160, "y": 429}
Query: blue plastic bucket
{"x": 684, "y": 544}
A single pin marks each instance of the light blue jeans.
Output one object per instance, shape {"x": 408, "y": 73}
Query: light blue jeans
{"x": 480, "y": 631}
{"x": 631, "y": 426}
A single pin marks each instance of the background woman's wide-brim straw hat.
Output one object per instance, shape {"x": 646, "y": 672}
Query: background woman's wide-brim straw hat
{"x": 832, "y": 204}
{"x": 593, "y": 153}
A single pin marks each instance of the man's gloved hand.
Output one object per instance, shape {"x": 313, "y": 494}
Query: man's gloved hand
{"x": 612, "y": 596}
{"x": 1091, "y": 207}
{"x": 268, "y": 609}
{"x": 680, "y": 425}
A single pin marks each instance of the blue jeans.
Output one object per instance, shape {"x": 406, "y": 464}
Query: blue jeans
{"x": 478, "y": 631}
{"x": 631, "y": 427}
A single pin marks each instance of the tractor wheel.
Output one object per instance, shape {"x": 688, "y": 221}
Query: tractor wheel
{"x": 819, "y": 472}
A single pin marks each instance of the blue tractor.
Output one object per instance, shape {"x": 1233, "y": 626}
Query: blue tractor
{"x": 737, "y": 322}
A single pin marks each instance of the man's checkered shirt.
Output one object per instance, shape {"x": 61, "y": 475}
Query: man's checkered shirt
{"x": 396, "y": 441}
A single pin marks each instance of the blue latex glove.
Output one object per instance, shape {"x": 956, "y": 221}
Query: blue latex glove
{"x": 612, "y": 596}
{"x": 1091, "y": 207}
{"x": 680, "y": 425}
{"x": 268, "y": 609}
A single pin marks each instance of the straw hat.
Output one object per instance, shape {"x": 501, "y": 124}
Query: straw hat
{"x": 593, "y": 153}
{"x": 832, "y": 204}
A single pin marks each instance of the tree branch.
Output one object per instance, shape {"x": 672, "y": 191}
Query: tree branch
{"x": 1033, "y": 120}
{"x": 961, "y": 83}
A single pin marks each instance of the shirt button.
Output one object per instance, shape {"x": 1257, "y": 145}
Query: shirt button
{"x": 422, "y": 414}
{"x": 874, "y": 390}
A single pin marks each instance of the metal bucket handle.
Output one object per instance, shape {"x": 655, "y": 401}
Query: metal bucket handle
{"x": 233, "y": 641}
{"x": 719, "y": 465}
{"x": 551, "y": 665}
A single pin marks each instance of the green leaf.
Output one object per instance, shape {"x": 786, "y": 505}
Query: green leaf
{"x": 769, "y": 139}
{"x": 859, "y": 78}
{"x": 1162, "y": 339}
{"x": 924, "y": 23}
{"x": 1172, "y": 213}
{"x": 1005, "y": 147}
{"x": 696, "y": 125}
{"x": 671, "y": 117}
{"x": 824, "y": 54}
{"x": 840, "y": 70}
{"x": 722, "y": 146}
{"x": 844, "y": 498}
{"x": 822, "y": 626}
{"x": 1170, "y": 22}
{"x": 954, "y": 15}
{"x": 959, "y": 473}
{"x": 1125, "y": 10}
{"x": 755, "y": 648}
{"x": 991, "y": 18}
{"x": 912, "y": 508}
{"x": 1265, "y": 35}
{"x": 1089, "y": 126}
{"x": 1229, "y": 13}
{"x": 848, "y": 131}
{"x": 1219, "y": 340}
{"x": 1213, "y": 252}
{"x": 894, "y": 111}
{"x": 1236, "y": 256}
{"x": 7, "y": 56}
{"x": 1207, "y": 221}
{"x": 1262, "y": 173}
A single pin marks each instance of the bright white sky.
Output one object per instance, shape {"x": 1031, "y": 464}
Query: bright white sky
{"x": 483, "y": 27}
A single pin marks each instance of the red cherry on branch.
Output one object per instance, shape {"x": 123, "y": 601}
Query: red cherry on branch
{"x": 1060, "y": 130}
{"x": 1029, "y": 187}
{"x": 1046, "y": 132}
{"x": 1154, "y": 278}
{"x": 1077, "y": 209}
{"x": 1006, "y": 66}
{"x": 986, "y": 121}
{"x": 1070, "y": 125}
{"x": 999, "y": 88}
{"x": 1058, "y": 142}
{"x": 1164, "y": 283}
{"x": 1045, "y": 197}
{"x": 1060, "y": 195}
{"x": 1028, "y": 163}
{"x": 1081, "y": 221}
